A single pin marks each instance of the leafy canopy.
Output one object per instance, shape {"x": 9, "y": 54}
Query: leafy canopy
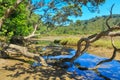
{"x": 59, "y": 11}
{"x": 51, "y": 12}
{"x": 18, "y": 23}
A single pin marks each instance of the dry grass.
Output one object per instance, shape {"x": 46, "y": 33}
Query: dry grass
{"x": 104, "y": 42}
{"x": 103, "y": 52}
{"x": 102, "y": 47}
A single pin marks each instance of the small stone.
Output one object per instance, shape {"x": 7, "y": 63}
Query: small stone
{"x": 51, "y": 78}
{"x": 79, "y": 77}
{"x": 57, "y": 78}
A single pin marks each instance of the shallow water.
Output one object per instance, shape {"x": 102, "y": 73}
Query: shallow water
{"x": 109, "y": 70}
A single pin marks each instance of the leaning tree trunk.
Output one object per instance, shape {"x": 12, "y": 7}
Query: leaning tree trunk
{"x": 111, "y": 31}
{"x": 93, "y": 38}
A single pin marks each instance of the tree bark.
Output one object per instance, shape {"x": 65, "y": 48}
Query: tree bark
{"x": 93, "y": 38}
{"x": 24, "y": 51}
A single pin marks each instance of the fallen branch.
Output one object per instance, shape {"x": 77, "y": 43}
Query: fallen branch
{"x": 24, "y": 51}
{"x": 33, "y": 33}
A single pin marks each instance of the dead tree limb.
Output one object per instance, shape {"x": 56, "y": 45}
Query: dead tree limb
{"x": 112, "y": 57}
{"x": 109, "y": 17}
{"x": 33, "y": 33}
{"x": 24, "y": 51}
{"x": 111, "y": 31}
{"x": 93, "y": 38}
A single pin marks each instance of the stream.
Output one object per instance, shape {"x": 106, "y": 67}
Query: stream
{"x": 107, "y": 71}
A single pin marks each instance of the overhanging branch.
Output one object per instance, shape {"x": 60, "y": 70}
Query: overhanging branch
{"x": 109, "y": 17}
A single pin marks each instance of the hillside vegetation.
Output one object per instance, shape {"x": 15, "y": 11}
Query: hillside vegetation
{"x": 91, "y": 26}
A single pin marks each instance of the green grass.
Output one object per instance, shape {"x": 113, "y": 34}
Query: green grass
{"x": 69, "y": 41}
{"x": 43, "y": 42}
{"x": 106, "y": 43}
{"x": 30, "y": 62}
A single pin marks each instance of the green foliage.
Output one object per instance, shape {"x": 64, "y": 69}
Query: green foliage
{"x": 91, "y": 26}
{"x": 18, "y": 23}
{"x": 5, "y": 4}
{"x": 58, "y": 12}
{"x": 29, "y": 62}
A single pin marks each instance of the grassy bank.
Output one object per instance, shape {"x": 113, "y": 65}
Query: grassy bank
{"x": 104, "y": 42}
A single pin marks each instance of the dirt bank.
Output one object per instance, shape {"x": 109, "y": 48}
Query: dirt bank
{"x": 17, "y": 70}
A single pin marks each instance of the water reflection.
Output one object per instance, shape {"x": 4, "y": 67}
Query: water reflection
{"x": 107, "y": 71}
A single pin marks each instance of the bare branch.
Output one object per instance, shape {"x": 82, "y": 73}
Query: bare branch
{"x": 113, "y": 34}
{"x": 33, "y": 33}
{"x": 1, "y": 22}
{"x": 105, "y": 33}
{"x": 112, "y": 57}
{"x": 103, "y": 61}
{"x": 111, "y": 31}
{"x": 93, "y": 38}
{"x": 109, "y": 17}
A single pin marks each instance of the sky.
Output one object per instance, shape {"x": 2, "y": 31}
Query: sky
{"x": 104, "y": 10}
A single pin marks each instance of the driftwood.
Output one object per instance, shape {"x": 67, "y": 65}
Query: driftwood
{"x": 23, "y": 51}
{"x": 28, "y": 54}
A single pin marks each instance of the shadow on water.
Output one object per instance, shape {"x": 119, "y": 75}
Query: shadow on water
{"x": 106, "y": 71}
